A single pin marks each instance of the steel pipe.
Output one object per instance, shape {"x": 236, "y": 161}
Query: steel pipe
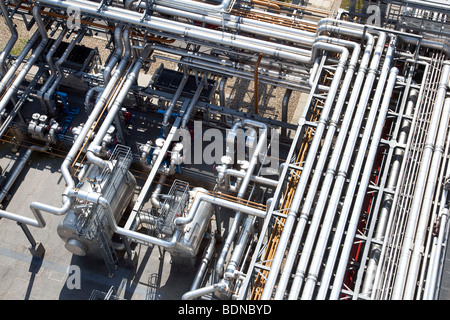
{"x": 409, "y": 236}
{"x": 12, "y": 40}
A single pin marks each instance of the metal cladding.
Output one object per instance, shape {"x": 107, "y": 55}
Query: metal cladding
{"x": 347, "y": 201}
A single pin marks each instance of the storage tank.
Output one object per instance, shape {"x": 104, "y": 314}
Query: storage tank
{"x": 186, "y": 249}
{"x": 84, "y": 228}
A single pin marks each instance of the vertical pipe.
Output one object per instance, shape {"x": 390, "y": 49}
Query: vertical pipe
{"x": 18, "y": 80}
{"x": 12, "y": 40}
{"x": 353, "y": 224}
{"x": 304, "y": 177}
{"x": 408, "y": 240}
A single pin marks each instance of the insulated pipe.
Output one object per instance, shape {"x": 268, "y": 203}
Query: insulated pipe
{"x": 49, "y": 58}
{"x": 39, "y": 221}
{"x": 257, "y": 179}
{"x": 409, "y": 237}
{"x": 243, "y": 188}
{"x": 197, "y": 6}
{"x": 95, "y": 145}
{"x": 439, "y": 241}
{"x": 430, "y": 187}
{"x": 191, "y": 295}
{"x": 36, "y": 207}
{"x": 207, "y": 256}
{"x": 49, "y": 93}
{"x": 12, "y": 40}
{"x": 194, "y": 100}
{"x": 361, "y": 194}
{"x": 12, "y": 89}
{"x": 243, "y": 24}
{"x": 199, "y": 198}
{"x": 321, "y": 245}
{"x": 304, "y": 177}
{"x": 97, "y": 198}
{"x": 87, "y": 99}
{"x": 174, "y": 100}
{"x": 7, "y": 77}
{"x": 117, "y": 54}
{"x": 313, "y": 185}
{"x": 333, "y": 164}
{"x": 189, "y": 31}
{"x": 387, "y": 198}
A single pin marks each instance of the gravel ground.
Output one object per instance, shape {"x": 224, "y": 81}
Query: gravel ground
{"x": 239, "y": 92}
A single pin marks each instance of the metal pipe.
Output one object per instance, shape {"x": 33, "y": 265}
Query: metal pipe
{"x": 174, "y": 100}
{"x": 39, "y": 221}
{"x": 207, "y": 256}
{"x": 49, "y": 59}
{"x": 36, "y": 207}
{"x": 243, "y": 188}
{"x": 12, "y": 89}
{"x": 409, "y": 236}
{"x": 307, "y": 167}
{"x": 439, "y": 240}
{"x": 387, "y": 198}
{"x": 430, "y": 187}
{"x": 49, "y": 93}
{"x": 188, "y": 113}
{"x": 313, "y": 185}
{"x": 87, "y": 99}
{"x": 95, "y": 145}
{"x": 257, "y": 179}
{"x": 203, "y": 291}
{"x": 361, "y": 194}
{"x": 117, "y": 53}
{"x": 331, "y": 171}
{"x": 12, "y": 40}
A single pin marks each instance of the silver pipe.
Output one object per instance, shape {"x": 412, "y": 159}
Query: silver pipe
{"x": 188, "y": 113}
{"x": 257, "y": 179}
{"x": 12, "y": 40}
{"x": 207, "y": 256}
{"x": 430, "y": 187}
{"x": 94, "y": 197}
{"x": 203, "y": 291}
{"x": 156, "y": 203}
{"x": 117, "y": 54}
{"x": 12, "y": 89}
{"x": 198, "y": 6}
{"x": 189, "y": 31}
{"x": 36, "y": 207}
{"x": 199, "y": 198}
{"x": 49, "y": 59}
{"x": 307, "y": 167}
{"x": 353, "y": 224}
{"x": 174, "y": 100}
{"x": 95, "y": 145}
{"x": 39, "y": 221}
{"x": 242, "y": 190}
{"x": 87, "y": 99}
{"x": 7, "y": 77}
{"x": 409, "y": 236}
{"x": 313, "y": 185}
{"x": 387, "y": 198}
{"x": 332, "y": 167}
{"x": 49, "y": 93}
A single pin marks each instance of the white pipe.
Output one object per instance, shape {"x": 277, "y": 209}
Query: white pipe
{"x": 36, "y": 207}
{"x": 331, "y": 172}
{"x": 432, "y": 181}
{"x": 12, "y": 40}
{"x": 312, "y": 187}
{"x": 408, "y": 240}
{"x": 117, "y": 54}
{"x": 95, "y": 145}
{"x": 39, "y": 221}
{"x": 12, "y": 89}
{"x": 361, "y": 194}
{"x": 304, "y": 177}
{"x": 382, "y": 217}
